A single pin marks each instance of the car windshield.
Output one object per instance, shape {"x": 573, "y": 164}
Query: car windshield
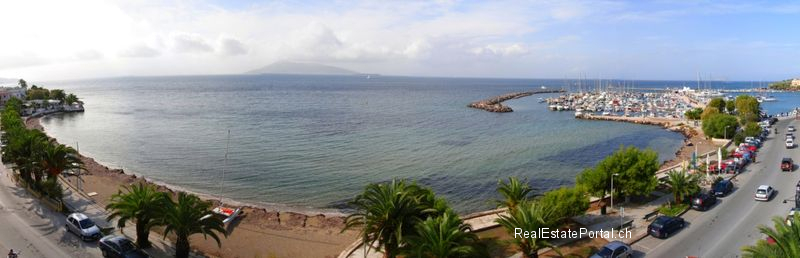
{"x": 719, "y": 186}
{"x": 605, "y": 252}
{"x": 87, "y": 223}
{"x": 761, "y": 191}
{"x": 126, "y": 245}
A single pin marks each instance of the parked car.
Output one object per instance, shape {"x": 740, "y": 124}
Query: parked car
{"x": 120, "y": 247}
{"x": 789, "y": 143}
{"x": 721, "y": 169}
{"x": 81, "y": 225}
{"x": 703, "y": 201}
{"x": 614, "y": 249}
{"x": 787, "y": 164}
{"x": 722, "y": 188}
{"x": 790, "y": 217}
{"x": 789, "y": 136}
{"x": 764, "y": 193}
{"x": 790, "y": 128}
{"x": 665, "y": 226}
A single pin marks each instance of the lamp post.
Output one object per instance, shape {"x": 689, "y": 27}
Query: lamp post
{"x": 726, "y": 131}
{"x": 612, "y": 190}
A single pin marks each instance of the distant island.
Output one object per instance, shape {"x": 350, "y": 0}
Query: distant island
{"x": 286, "y": 67}
{"x": 791, "y": 84}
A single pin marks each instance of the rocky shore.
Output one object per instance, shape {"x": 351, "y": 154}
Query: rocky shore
{"x": 495, "y": 104}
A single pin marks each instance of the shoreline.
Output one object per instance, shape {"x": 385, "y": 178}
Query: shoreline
{"x": 290, "y": 232}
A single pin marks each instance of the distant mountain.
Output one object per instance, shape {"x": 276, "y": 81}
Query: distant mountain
{"x": 285, "y": 67}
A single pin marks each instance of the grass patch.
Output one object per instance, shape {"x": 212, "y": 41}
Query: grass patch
{"x": 672, "y": 209}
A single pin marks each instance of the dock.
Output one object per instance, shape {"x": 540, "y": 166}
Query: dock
{"x": 495, "y": 104}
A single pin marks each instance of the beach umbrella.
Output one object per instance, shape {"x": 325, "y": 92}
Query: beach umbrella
{"x": 719, "y": 157}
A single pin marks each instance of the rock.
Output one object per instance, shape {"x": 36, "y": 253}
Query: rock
{"x": 292, "y": 219}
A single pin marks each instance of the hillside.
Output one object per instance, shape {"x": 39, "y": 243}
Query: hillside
{"x": 791, "y": 84}
{"x": 285, "y": 67}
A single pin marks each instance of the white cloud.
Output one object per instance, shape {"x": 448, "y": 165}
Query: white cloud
{"x": 190, "y": 43}
{"x": 232, "y": 47}
{"x": 88, "y": 55}
{"x": 501, "y": 50}
{"x": 139, "y": 51}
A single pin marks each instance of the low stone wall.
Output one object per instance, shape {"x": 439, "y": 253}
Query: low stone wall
{"x": 494, "y": 104}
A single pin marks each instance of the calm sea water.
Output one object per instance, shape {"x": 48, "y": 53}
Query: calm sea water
{"x": 316, "y": 141}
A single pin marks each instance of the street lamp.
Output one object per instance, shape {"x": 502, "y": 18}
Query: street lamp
{"x": 726, "y": 131}
{"x": 612, "y": 190}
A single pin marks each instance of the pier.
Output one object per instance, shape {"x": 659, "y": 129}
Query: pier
{"x": 495, "y": 104}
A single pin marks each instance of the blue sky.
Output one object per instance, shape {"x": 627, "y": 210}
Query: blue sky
{"x": 730, "y": 40}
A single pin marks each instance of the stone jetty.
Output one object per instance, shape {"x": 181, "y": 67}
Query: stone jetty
{"x": 495, "y": 104}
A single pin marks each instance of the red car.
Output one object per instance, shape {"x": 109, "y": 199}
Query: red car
{"x": 713, "y": 168}
{"x": 787, "y": 164}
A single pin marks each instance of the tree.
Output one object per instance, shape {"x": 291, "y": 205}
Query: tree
{"x": 693, "y": 114}
{"x": 709, "y": 112}
{"x": 682, "y": 184}
{"x": 638, "y": 177}
{"x": 752, "y": 129}
{"x": 57, "y": 94}
{"x": 388, "y": 212}
{"x": 566, "y": 202}
{"x": 141, "y": 203}
{"x": 635, "y": 169}
{"x": 55, "y": 158}
{"x": 70, "y": 99}
{"x": 14, "y": 104}
{"x": 730, "y": 105}
{"x": 530, "y": 217}
{"x": 189, "y": 216}
{"x": 514, "y": 192}
{"x": 23, "y": 84}
{"x": 786, "y": 237}
{"x": 717, "y": 103}
{"x": 444, "y": 236}
{"x": 748, "y": 108}
{"x": 720, "y": 125}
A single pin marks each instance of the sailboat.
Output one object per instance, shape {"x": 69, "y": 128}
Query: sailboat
{"x": 227, "y": 214}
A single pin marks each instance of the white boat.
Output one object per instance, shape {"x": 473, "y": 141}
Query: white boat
{"x": 578, "y": 113}
{"x": 606, "y": 113}
{"x": 227, "y": 214}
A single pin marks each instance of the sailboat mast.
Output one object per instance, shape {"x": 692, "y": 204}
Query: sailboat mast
{"x": 224, "y": 165}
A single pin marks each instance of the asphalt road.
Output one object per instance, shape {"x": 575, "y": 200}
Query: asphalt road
{"x": 27, "y": 226}
{"x": 733, "y": 222}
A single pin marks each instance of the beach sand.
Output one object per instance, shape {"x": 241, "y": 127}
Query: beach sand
{"x": 260, "y": 233}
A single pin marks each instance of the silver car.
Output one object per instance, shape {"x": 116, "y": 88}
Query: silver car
{"x": 81, "y": 225}
{"x": 614, "y": 249}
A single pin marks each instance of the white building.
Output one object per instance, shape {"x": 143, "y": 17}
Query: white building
{"x": 7, "y": 93}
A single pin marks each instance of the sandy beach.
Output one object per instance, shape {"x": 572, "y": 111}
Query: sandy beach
{"x": 260, "y": 233}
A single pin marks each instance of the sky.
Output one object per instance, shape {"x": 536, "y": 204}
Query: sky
{"x": 719, "y": 40}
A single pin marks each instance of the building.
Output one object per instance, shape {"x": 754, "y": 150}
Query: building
{"x": 7, "y": 93}
{"x": 795, "y": 83}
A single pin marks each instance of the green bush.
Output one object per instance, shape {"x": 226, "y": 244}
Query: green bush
{"x": 567, "y": 202}
{"x": 752, "y": 129}
{"x": 693, "y": 114}
{"x": 715, "y": 125}
{"x": 673, "y": 210}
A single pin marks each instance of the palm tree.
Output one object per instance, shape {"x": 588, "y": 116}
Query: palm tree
{"x": 24, "y": 150}
{"x": 529, "y": 216}
{"x": 682, "y": 184}
{"x": 142, "y": 203}
{"x": 387, "y": 213}
{"x": 189, "y": 216}
{"x": 787, "y": 240}
{"x": 514, "y": 192}
{"x": 55, "y": 158}
{"x": 444, "y": 236}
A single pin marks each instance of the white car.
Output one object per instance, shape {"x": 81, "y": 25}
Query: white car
{"x": 789, "y": 143}
{"x": 83, "y": 226}
{"x": 764, "y": 192}
{"x": 790, "y": 128}
{"x": 790, "y": 217}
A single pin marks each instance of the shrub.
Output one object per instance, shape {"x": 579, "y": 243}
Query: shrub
{"x": 715, "y": 126}
{"x": 567, "y": 202}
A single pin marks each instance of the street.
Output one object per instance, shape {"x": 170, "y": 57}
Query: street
{"x": 733, "y": 222}
{"x": 34, "y": 230}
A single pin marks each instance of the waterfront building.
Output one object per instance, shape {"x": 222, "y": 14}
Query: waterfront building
{"x": 7, "y": 93}
{"x": 795, "y": 83}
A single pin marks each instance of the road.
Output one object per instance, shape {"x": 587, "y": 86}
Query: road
{"x": 733, "y": 222}
{"x": 36, "y": 231}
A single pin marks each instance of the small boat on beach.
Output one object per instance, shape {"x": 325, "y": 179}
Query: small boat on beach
{"x": 227, "y": 214}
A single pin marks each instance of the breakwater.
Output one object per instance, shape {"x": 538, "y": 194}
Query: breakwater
{"x": 495, "y": 104}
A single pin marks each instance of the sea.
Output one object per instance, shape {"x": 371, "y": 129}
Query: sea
{"x": 314, "y": 142}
